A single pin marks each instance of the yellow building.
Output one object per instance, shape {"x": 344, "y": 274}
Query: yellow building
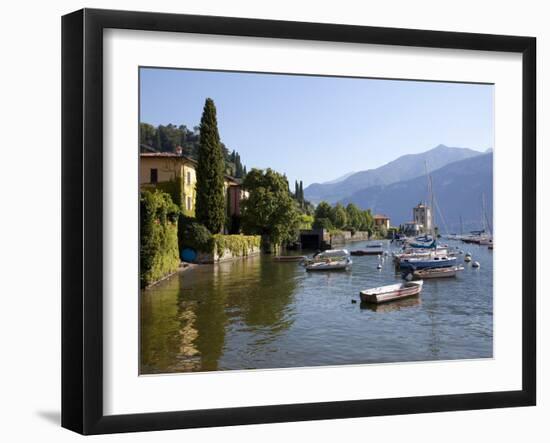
{"x": 164, "y": 167}
{"x": 381, "y": 220}
{"x": 159, "y": 169}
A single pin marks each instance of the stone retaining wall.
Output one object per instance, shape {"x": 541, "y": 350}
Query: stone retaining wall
{"x": 208, "y": 258}
{"x": 347, "y": 236}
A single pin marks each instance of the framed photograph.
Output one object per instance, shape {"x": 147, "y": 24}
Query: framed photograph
{"x": 268, "y": 221}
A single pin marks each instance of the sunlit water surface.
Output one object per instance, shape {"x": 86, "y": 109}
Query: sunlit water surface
{"x": 257, "y": 313}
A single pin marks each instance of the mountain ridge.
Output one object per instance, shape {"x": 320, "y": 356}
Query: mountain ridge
{"x": 402, "y": 168}
{"x": 458, "y": 188}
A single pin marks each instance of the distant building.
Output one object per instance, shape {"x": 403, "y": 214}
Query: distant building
{"x": 235, "y": 195}
{"x": 381, "y": 220}
{"x": 157, "y": 168}
{"x": 412, "y": 228}
{"x": 422, "y": 215}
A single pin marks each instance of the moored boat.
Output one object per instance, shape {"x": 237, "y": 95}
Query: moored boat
{"x": 368, "y": 251}
{"x": 450, "y": 271}
{"x": 439, "y": 261}
{"x": 331, "y": 260}
{"x": 388, "y": 293}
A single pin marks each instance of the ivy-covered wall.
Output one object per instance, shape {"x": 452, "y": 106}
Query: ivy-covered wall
{"x": 159, "y": 254}
{"x": 179, "y": 191}
{"x": 237, "y": 245}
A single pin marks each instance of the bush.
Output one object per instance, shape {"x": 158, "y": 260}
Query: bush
{"x": 159, "y": 254}
{"x": 191, "y": 234}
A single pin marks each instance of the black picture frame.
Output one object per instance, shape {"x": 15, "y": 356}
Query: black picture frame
{"x": 82, "y": 218}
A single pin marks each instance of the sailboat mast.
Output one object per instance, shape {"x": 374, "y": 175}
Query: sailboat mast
{"x": 431, "y": 197}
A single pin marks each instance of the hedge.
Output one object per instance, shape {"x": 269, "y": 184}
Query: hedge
{"x": 159, "y": 255}
{"x": 238, "y": 245}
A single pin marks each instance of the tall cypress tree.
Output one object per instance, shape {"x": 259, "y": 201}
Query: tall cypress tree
{"x": 157, "y": 144}
{"x": 301, "y": 191}
{"x": 210, "y": 205}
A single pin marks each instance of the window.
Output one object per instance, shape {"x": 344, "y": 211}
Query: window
{"x": 154, "y": 175}
{"x": 188, "y": 177}
{"x": 189, "y": 203}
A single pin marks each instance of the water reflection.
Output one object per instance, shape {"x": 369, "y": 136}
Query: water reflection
{"x": 257, "y": 313}
{"x": 397, "y": 305}
{"x": 185, "y": 318}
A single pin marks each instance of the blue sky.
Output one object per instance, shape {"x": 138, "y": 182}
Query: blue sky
{"x": 316, "y": 129}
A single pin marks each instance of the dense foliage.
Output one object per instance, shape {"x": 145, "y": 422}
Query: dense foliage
{"x": 210, "y": 206}
{"x": 193, "y": 235}
{"x": 174, "y": 188}
{"x": 350, "y": 218}
{"x": 270, "y": 210}
{"x": 238, "y": 245}
{"x": 166, "y": 138}
{"x": 159, "y": 255}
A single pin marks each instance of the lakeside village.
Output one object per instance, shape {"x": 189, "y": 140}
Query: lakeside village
{"x": 199, "y": 205}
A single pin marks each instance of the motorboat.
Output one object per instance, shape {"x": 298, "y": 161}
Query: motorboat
{"x": 330, "y": 260}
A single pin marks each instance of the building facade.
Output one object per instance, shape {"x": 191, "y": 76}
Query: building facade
{"x": 422, "y": 216}
{"x": 381, "y": 220}
{"x": 176, "y": 173}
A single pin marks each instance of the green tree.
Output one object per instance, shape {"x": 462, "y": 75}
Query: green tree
{"x": 367, "y": 221}
{"x": 323, "y": 223}
{"x": 354, "y": 216}
{"x": 210, "y": 199}
{"x": 323, "y": 210}
{"x": 339, "y": 216}
{"x": 269, "y": 210}
{"x": 147, "y": 134}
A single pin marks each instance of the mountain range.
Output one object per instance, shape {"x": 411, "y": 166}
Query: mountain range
{"x": 460, "y": 178}
{"x": 403, "y": 168}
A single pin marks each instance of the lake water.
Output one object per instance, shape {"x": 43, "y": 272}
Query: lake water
{"x": 257, "y": 313}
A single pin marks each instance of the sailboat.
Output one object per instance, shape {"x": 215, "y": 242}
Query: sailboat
{"x": 435, "y": 257}
{"x": 483, "y": 236}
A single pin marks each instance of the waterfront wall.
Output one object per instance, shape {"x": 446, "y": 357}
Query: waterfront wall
{"x": 346, "y": 236}
{"x": 230, "y": 247}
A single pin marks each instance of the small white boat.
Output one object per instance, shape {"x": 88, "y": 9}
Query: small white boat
{"x": 437, "y": 272}
{"x": 398, "y": 291}
{"x": 331, "y": 260}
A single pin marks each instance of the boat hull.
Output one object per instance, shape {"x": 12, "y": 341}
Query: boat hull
{"x": 437, "y": 273}
{"x": 316, "y": 267}
{"x": 427, "y": 264}
{"x": 403, "y": 291}
{"x": 366, "y": 252}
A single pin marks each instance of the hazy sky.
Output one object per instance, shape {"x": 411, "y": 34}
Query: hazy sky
{"x": 316, "y": 129}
